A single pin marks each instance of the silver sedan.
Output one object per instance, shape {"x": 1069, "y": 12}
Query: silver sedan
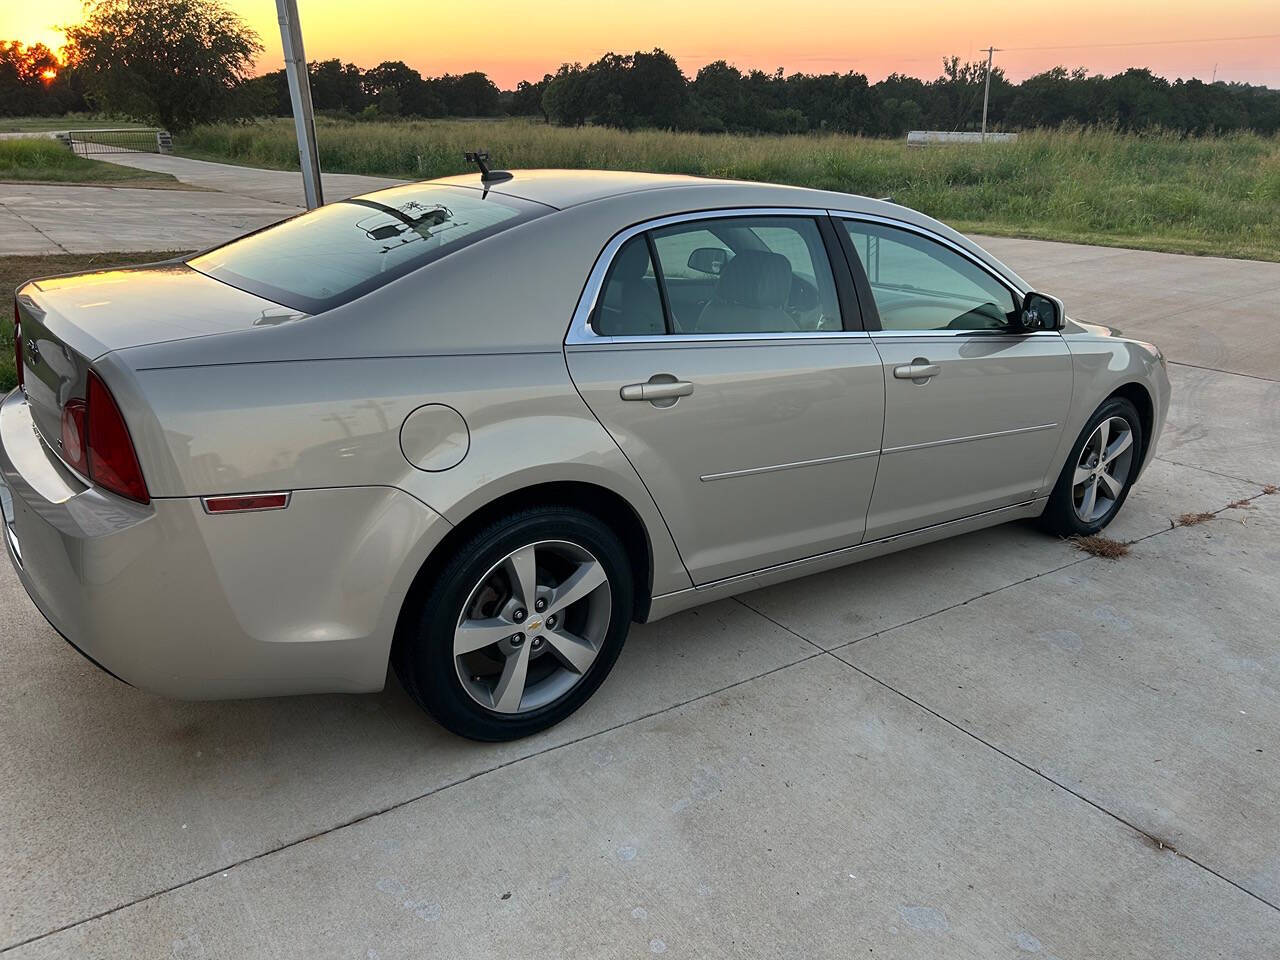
{"x": 475, "y": 429}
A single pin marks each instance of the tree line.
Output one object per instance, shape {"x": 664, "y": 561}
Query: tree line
{"x": 181, "y": 62}
{"x": 649, "y": 90}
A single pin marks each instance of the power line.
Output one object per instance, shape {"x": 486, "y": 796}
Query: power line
{"x": 1150, "y": 43}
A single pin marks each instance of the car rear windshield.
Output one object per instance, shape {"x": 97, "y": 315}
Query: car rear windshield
{"x": 329, "y": 256}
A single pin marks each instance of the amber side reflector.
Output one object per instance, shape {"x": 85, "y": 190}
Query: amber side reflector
{"x": 246, "y": 504}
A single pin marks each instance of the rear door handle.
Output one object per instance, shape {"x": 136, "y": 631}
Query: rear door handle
{"x": 918, "y": 370}
{"x": 661, "y": 386}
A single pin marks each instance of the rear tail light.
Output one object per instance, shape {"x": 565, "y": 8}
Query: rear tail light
{"x": 112, "y": 461}
{"x": 75, "y": 417}
{"x": 17, "y": 344}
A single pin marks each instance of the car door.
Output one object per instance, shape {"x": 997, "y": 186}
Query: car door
{"x": 974, "y": 406}
{"x": 753, "y": 417}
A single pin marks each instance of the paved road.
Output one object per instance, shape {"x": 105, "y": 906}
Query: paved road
{"x": 990, "y": 747}
{"x": 228, "y": 201}
{"x": 48, "y": 218}
{"x": 278, "y": 186}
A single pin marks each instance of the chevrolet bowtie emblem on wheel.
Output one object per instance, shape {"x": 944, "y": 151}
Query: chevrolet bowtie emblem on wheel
{"x": 535, "y": 624}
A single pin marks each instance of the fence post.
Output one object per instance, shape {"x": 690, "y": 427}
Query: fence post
{"x": 65, "y": 140}
{"x": 164, "y": 141}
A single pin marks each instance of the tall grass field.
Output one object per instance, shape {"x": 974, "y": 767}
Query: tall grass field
{"x": 44, "y": 160}
{"x": 1218, "y": 196}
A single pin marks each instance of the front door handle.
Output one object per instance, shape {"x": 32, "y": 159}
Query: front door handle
{"x": 919, "y": 370}
{"x": 661, "y": 388}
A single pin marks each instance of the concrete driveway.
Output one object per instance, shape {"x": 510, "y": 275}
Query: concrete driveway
{"x": 222, "y": 202}
{"x": 995, "y": 746}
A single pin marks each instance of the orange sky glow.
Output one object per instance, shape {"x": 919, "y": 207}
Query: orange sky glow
{"x": 515, "y": 41}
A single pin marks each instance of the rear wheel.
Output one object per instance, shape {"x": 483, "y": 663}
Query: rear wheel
{"x": 522, "y": 625}
{"x": 1097, "y": 477}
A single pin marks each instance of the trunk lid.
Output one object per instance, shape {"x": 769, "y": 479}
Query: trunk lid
{"x": 68, "y": 322}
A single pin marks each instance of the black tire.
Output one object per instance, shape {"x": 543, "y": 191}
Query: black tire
{"x": 424, "y": 648}
{"x": 1060, "y": 516}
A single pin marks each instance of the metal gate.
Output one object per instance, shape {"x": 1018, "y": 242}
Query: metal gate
{"x": 88, "y": 143}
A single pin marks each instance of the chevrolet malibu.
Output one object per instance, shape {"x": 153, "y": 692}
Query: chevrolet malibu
{"x": 474, "y": 428}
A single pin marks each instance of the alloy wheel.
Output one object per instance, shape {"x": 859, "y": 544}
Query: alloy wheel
{"x": 532, "y": 627}
{"x": 1102, "y": 470}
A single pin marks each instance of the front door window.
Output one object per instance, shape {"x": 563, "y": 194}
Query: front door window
{"x": 918, "y": 284}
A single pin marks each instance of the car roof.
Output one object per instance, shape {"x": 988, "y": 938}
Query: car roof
{"x": 665, "y": 193}
{"x": 564, "y": 189}
{"x": 568, "y": 188}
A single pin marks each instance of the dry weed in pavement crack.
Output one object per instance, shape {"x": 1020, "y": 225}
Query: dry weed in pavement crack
{"x": 1100, "y": 546}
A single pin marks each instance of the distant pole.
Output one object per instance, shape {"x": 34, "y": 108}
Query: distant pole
{"x": 304, "y": 121}
{"x": 986, "y": 93}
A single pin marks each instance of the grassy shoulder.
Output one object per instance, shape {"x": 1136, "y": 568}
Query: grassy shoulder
{"x": 42, "y": 160}
{"x": 72, "y": 121}
{"x": 20, "y": 269}
{"x": 1218, "y": 196}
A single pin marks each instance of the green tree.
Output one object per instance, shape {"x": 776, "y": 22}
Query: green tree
{"x": 565, "y": 99}
{"x": 337, "y": 86}
{"x": 469, "y": 95}
{"x": 171, "y": 62}
{"x": 413, "y": 95}
{"x": 527, "y": 99}
{"x": 658, "y": 91}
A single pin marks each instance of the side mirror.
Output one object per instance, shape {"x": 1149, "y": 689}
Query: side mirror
{"x": 708, "y": 260}
{"x": 1042, "y": 312}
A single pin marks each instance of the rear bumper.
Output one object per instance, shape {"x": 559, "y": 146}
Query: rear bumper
{"x": 181, "y": 603}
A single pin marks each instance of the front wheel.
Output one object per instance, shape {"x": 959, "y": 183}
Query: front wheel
{"x": 521, "y": 627}
{"x": 1099, "y": 473}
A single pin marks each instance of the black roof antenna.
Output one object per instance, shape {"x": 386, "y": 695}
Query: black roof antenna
{"x": 480, "y": 158}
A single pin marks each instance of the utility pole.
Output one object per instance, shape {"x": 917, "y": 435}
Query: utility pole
{"x": 304, "y": 122}
{"x": 986, "y": 93}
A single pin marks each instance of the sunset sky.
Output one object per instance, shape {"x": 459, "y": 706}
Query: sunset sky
{"x": 513, "y": 41}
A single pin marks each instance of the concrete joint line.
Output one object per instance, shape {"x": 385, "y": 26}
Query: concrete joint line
{"x": 1157, "y": 842}
{"x": 1216, "y": 473}
{"x": 23, "y": 219}
{"x": 1229, "y": 373}
{"x": 399, "y": 804}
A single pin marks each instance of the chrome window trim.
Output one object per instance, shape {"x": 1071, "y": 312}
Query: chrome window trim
{"x": 581, "y": 334}
{"x": 580, "y": 331}
{"x": 991, "y": 335}
{"x": 593, "y": 339}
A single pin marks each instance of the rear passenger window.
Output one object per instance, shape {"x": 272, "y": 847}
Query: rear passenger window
{"x": 747, "y": 275}
{"x": 676, "y": 249}
{"x": 630, "y": 304}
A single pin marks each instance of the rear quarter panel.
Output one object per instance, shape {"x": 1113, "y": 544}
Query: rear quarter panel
{"x": 297, "y": 425}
